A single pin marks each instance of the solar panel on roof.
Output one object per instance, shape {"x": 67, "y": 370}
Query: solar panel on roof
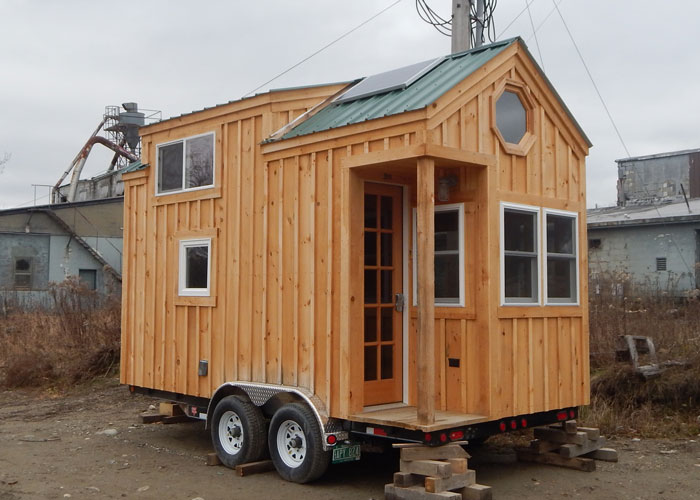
{"x": 389, "y": 80}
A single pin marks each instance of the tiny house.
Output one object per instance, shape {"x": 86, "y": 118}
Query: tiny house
{"x": 398, "y": 257}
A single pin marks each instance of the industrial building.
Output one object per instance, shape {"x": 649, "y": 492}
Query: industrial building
{"x": 650, "y": 241}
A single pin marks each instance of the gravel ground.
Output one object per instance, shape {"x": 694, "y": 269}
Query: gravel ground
{"x": 54, "y": 446}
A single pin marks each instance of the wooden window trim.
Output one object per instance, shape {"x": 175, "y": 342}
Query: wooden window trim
{"x": 196, "y": 235}
{"x": 523, "y": 147}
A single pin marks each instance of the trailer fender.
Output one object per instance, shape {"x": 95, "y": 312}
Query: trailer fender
{"x": 259, "y": 394}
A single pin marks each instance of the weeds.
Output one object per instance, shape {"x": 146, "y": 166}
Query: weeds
{"x": 623, "y": 402}
{"x": 74, "y": 338}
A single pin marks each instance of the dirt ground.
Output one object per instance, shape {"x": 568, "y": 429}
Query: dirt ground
{"x": 52, "y": 446}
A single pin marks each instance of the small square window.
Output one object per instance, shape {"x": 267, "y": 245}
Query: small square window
{"x": 594, "y": 243}
{"x": 661, "y": 263}
{"x": 195, "y": 267}
{"x": 185, "y": 165}
{"x": 88, "y": 277}
{"x": 23, "y": 273}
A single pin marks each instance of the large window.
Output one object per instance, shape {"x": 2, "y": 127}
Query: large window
{"x": 449, "y": 255}
{"x": 519, "y": 263}
{"x": 562, "y": 257}
{"x": 195, "y": 268}
{"x": 185, "y": 164}
{"x": 23, "y": 273}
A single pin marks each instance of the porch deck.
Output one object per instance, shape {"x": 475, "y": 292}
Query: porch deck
{"x": 406, "y": 417}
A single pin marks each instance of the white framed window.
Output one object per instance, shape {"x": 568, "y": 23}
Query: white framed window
{"x": 185, "y": 165}
{"x": 449, "y": 256}
{"x": 195, "y": 268}
{"x": 561, "y": 263}
{"x": 520, "y": 244}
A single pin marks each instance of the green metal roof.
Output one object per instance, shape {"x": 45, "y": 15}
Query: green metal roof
{"x": 133, "y": 167}
{"x": 424, "y": 91}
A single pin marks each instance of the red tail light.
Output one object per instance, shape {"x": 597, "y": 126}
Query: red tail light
{"x": 513, "y": 424}
{"x": 502, "y": 426}
{"x": 331, "y": 439}
{"x": 443, "y": 437}
{"x": 523, "y": 423}
{"x": 456, "y": 435}
{"x": 572, "y": 414}
{"x": 428, "y": 436}
{"x": 562, "y": 415}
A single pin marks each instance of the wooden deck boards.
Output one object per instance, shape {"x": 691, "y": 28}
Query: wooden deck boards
{"x": 406, "y": 417}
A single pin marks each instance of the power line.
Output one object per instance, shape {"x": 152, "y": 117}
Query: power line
{"x": 600, "y": 96}
{"x": 324, "y": 47}
{"x": 534, "y": 33}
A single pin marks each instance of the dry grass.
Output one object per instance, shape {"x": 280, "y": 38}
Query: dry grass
{"x": 75, "y": 339}
{"x": 623, "y": 402}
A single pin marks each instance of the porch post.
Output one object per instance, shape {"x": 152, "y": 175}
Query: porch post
{"x": 426, "y": 290}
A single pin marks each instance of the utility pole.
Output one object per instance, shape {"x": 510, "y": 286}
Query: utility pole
{"x": 462, "y": 24}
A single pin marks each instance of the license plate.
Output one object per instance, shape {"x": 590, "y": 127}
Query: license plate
{"x": 346, "y": 453}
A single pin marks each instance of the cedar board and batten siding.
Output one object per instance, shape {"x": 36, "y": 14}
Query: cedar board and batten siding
{"x": 284, "y": 302}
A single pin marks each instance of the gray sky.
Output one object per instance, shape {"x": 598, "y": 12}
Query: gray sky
{"x": 62, "y": 62}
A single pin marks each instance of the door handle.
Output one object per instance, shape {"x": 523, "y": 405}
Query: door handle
{"x": 400, "y": 302}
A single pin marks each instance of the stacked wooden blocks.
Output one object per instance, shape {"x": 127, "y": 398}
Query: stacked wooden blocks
{"x": 567, "y": 445}
{"x": 435, "y": 473}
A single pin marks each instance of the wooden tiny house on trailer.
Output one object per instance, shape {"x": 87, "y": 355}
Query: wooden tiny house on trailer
{"x": 276, "y": 249}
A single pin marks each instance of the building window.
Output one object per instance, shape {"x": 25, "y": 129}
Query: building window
{"x": 562, "y": 257}
{"x": 88, "y": 277}
{"x": 519, "y": 262}
{"x": 23, "y": 273}
{"x": 185, "y": 164}
{"x": 661, "y": 263}
{"x": 594, "y": 243}
{"x": 195, "y": 268}
{"x": 449, "y": 255}
{"x": 511, "y": 117}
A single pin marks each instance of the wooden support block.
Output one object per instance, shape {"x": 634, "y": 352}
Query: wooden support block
{"x": 584, "y": 464}
{"x": 543, "y": 446}
{"x": 433, "y": 453}
{"x": 151, "y": 419}
{"x": 477, "y": 492}
{"x": 254, "y": 467}
{"x": 213, "y": 459}
{"x": 170, "y": 409}
{"x": 570, "y": 427}
{"x": 406, "y": 479}
{"x": 391, "y": 492}
{"x": 456, "y": 481}
{"x": 604, "y": 454}
{"x": 575, "y": 450}
{"x": 421, "y": 445}
{"x": 592, "y": 432}
{"x": 559, "y": 436}
{"x": 459, "y": 465}
{"x": 426, "y": 467}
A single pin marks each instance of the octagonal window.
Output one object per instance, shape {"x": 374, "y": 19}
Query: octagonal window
{"x": 511, "y": 117}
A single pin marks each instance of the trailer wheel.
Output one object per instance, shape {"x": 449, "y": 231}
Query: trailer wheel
{"x": 296, "y": 446}
{"x": 238, "y": 431}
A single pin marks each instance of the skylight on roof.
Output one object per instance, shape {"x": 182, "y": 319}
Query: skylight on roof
{"x": 389, "y": 80}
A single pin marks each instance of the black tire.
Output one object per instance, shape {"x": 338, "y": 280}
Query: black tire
{"x": 238, "y": 431}
{"x": 295, "y": 442}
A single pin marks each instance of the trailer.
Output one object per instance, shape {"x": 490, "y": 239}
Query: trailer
{"x": 394, "y": 258}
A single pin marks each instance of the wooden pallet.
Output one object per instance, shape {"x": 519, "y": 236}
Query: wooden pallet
{"x": 567, "y": 445}
{"x": 435, "y": 473}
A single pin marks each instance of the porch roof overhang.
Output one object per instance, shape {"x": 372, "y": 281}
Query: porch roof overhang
{"x": 407, "y": 156}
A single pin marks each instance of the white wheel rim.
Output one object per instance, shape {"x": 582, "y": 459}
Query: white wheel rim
{"x": 231, "y": 434}
{"x": 291, "y": 443}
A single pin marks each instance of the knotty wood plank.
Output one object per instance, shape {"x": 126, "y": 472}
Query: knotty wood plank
{"x": 584, "y": 464}
{"x": 426, "y": 290}
{"x": 457, "y": 480}
{"x": 433, "y": 452}
{"x": 433, "y": 468}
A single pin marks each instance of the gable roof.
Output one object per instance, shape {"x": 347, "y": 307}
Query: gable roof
{"x": 424, "y": 91}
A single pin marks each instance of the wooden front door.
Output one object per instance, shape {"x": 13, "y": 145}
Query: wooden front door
{"x": 383, "y": 269}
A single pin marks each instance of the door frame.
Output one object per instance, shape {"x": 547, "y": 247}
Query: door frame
{"x": 405, "y": 236}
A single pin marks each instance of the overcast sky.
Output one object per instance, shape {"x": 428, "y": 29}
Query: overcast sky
{"x": 62, "y": 62}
